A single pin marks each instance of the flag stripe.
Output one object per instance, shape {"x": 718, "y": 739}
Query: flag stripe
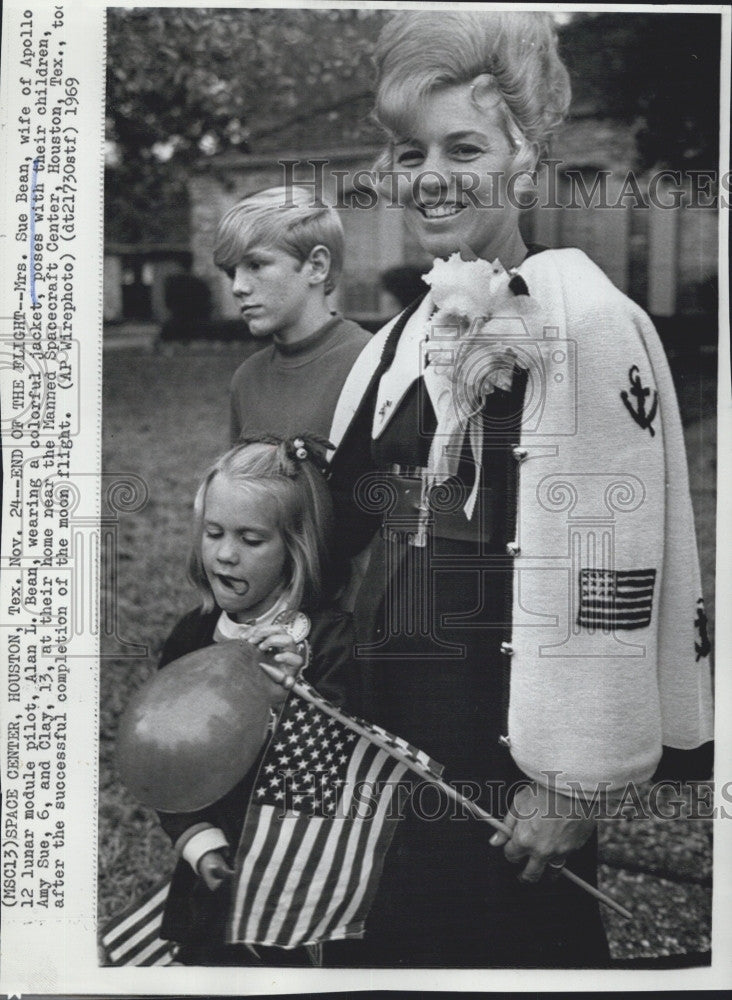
{"x": 613, "y": 599}
{"x": 246, "y": 887}
{"x": 323, "y": 881}
{"x": 601, "y": 613}
{"x": 334, "y": 854}
{"x": 341, "y": 872}
{"x": 332, "y": 849}
{"x": 350, "y": 906}
{"x": 133, "y": 936}
{"x": 615, "y": 620}
{"x": 610, "y": 608}
{"x": 607, "y": 621}
{"x": 165, "y": 956}
{"x": 288, "y": 879}
{"x": 308, "y": 872}
{"x": 134, "y": 914}
{"x": 279, "y": 838}
{"x": 153, "y": 954}
{"x": 130, "y": 946}
{"x": 608, "y": 625}
{"x": 380, "y": 835}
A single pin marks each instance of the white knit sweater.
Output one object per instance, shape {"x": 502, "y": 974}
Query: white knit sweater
{"x": 603, "y": 502}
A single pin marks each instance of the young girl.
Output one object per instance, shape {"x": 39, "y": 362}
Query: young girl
{"x": 260, "y": 560}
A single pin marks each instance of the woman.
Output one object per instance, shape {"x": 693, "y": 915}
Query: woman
{"x": 527, "y": 611}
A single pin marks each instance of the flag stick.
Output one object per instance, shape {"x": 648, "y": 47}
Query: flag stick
{"x": 285, "y": 680}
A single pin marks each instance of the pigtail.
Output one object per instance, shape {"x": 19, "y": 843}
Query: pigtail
{"x": 304, "y": 458}
{"x": 293, "y": 451}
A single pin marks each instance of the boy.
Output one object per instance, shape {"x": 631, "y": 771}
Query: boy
{"x": 284, "y": 256}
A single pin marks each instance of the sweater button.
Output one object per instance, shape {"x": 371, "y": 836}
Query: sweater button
{"x": 520, "y": 453}
{"x": 505, "y": 741}
{"x": 507, "y": 649}
{"x": 513, "y": 548}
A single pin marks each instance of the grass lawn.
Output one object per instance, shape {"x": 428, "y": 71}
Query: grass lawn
{"x": 165, "y": 419}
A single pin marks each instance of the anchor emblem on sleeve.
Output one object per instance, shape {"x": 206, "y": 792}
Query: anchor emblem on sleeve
{"x": 642, "y": 418}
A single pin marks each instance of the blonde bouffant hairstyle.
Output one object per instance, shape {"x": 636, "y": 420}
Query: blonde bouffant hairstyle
{"x": 511, "y": 58}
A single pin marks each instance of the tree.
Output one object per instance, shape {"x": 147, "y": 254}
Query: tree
{"x": 186, "y": 83}
{"x": 658, "y": 71}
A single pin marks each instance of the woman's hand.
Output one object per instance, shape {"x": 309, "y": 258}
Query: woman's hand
{"x": 214, "y": 870}
{"x": 289, "y": 657}
{"x": 545, "y": 827}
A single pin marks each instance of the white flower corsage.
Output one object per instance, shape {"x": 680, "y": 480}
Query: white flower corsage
{"x": 475, "y": 318}
{"x": 464, "y": 289}
{"x": 472, "y": 298}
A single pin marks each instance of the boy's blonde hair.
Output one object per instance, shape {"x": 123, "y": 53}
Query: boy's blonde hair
{"x": 283, "y": 217}
{"x": 296, "y": 488}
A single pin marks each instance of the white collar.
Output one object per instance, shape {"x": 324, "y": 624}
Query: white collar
{"x": 227, "y": 628}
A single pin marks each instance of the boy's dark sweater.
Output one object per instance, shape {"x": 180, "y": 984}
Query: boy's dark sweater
{"x": 289, "y": 389}
{"x": 193, "y": 913}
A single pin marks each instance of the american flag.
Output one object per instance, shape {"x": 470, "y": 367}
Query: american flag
{"x": 611, "y": 599}
{"x": 314, "y": 840}
{"x": 133, "y": 936}
{"x": 323, "y": 812}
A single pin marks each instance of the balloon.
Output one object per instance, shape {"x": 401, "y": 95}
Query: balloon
{"x": 194, "y": 730}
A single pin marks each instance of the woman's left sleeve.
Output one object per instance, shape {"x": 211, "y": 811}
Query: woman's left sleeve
{"x": 610, "y": 648}
{"x": 684, "y": 647}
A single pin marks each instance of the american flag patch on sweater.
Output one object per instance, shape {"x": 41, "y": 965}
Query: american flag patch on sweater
{"x": 614, "y": 599}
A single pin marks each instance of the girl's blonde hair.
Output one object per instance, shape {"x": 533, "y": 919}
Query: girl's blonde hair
{"x": 286, "y": 218}
{"x": 510, "y": 56}
{"x": 286, "y": 473}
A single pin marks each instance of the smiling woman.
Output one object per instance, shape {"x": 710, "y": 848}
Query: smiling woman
{"x": 508, "y": 488}
{"x": 460, "y": 131}
{"x": 458, "y": 160}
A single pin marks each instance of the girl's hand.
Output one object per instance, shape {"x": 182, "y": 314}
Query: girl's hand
{"x": 545, "y": 827}
{"x": 214, "y": 870}
{"x": 288, "y": 656}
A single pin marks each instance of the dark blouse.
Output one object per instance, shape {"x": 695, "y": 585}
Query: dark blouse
{"x": 401, "y": 444}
